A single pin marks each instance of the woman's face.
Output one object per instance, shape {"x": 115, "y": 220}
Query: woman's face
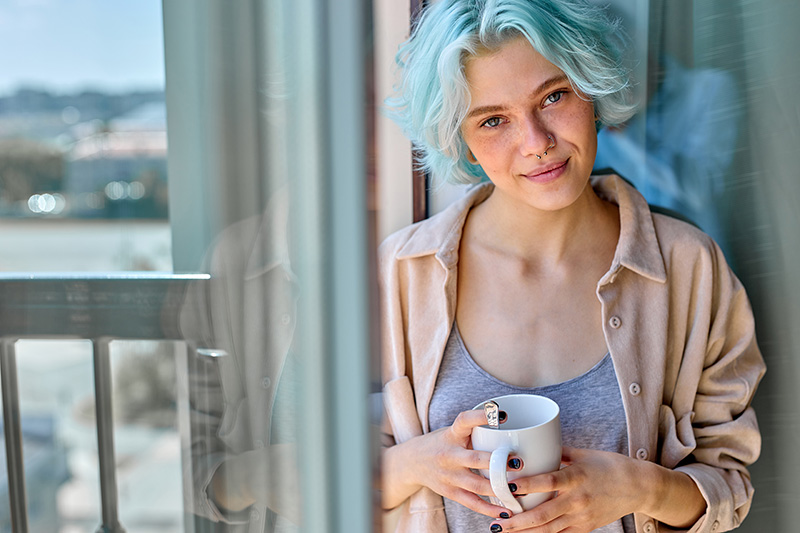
{"x": 518, "y": 99}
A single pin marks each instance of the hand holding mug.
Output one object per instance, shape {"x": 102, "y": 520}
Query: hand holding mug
{"x": 444, "y": 462}
{"x": 531, "y": 433}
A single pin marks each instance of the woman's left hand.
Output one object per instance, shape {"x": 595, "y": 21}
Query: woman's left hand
{"x": 594, "y": 489}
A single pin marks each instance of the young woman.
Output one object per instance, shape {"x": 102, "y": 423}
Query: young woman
{"x": 547, "y": 280}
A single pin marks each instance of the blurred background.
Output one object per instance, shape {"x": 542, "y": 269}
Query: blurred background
{"x": 146, "y": 140}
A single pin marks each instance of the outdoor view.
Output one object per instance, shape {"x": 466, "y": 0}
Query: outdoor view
{"x": 83, "y": 188}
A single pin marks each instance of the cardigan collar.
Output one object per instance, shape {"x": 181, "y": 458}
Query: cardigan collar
{"x": 637, "y": 249}
{"x": 440, "y": 235}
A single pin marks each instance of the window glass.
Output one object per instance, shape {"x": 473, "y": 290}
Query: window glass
{"x": 83, "y": 146}
{"x": 83, "y": 188}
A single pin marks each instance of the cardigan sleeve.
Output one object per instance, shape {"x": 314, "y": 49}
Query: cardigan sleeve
{"x": 400, "y": 419}
{"x": 724, "y": 434}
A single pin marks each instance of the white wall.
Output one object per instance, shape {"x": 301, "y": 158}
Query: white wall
{"x": 393, "y": 149}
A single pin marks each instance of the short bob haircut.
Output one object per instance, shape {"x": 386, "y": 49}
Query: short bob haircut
{"x": 432, "y": 98}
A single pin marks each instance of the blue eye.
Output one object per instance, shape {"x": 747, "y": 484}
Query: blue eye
{"x": 492, "y": 122}
{"x": 554, "y": 97}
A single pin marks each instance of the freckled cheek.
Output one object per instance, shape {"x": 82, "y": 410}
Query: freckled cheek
{"x": 491, "y": 153}
{"x": 579, "y": 130}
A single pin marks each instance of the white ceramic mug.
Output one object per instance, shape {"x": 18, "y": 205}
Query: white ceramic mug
{"x": 532, "y": 432}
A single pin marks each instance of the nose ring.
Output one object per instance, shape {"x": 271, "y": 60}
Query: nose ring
{"x": 552, "y": 144}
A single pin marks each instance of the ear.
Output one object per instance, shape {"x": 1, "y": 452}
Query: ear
{"x": 471, "y": 157}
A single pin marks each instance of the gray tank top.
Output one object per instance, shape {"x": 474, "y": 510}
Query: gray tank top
{"x": 592, "y": 415}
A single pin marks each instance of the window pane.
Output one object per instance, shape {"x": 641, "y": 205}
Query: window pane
{"x": 83, "y": 149}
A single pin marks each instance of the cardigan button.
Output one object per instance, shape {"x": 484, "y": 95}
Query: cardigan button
{"x": 649, "y": 527}
{"x": 615, "y": 322}
{"x": 635, "y": 389}
{"x": 641, "y": 453}
{"x": 266, "y": 382}
{"x": 715, "y": 525}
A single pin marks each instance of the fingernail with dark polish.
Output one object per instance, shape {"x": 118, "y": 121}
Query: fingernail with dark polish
{"x": 515, "y": 463}
{"x": 512, "y": 487}
{"x": 505, "y": 515}
{"x": 502, "y": 415}
{"x": 496, "y": 528}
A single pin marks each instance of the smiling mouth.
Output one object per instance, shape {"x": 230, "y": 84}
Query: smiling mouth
{"x": 548, "y": 173}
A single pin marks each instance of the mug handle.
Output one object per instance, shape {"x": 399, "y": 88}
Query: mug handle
{"x": 498, "y": 477}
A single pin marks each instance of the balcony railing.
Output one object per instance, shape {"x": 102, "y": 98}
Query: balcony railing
{"x": 100, "y": 308}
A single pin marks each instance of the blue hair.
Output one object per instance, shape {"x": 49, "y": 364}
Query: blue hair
{"x": 432, "y": 98}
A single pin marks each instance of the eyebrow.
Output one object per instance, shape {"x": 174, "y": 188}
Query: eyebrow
{"x": 544, "y": 86}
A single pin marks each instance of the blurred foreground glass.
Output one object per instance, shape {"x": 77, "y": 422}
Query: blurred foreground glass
{"x": 190, "y": 388}
{"x": 269, "y": 110}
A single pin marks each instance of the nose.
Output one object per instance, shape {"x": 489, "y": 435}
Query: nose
{"x": 534, "y": 139}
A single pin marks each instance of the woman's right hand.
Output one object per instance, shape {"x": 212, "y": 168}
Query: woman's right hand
{"x": 441, "y": 461}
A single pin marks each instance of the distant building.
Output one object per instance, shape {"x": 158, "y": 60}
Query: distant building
{"x": 84, "y": 155}
{"x": 121, "y": 171}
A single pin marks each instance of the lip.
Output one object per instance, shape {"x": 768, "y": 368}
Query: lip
{"x": 547, "y": 174}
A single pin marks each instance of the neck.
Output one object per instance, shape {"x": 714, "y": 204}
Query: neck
{"x": 546, "y": 237}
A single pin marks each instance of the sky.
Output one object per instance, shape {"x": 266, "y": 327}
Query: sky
{"x": 70, "y": 45}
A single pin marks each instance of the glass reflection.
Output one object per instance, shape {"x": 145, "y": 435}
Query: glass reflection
{"x": 243, "y": 376}
{"x": 679, "y": 149}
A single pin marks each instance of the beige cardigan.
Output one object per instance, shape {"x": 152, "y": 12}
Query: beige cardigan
{"x": 677, "y": 323}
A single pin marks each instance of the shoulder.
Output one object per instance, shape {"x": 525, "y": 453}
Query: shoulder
{"x": 442, "y": 230}
{"x": 694, "y": 262}
{"x": 413, "y": 247}
{"x": 673, "y": 231}
{"x": 394, "y": 243}
{"x": 650, "y": 235}
{"x": 238, "y": 237}
{"x": 230, "y": 249}
{"x": 683, "y": 244}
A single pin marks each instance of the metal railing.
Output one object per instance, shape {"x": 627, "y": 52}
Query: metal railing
{"x": 101, "y": 308}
